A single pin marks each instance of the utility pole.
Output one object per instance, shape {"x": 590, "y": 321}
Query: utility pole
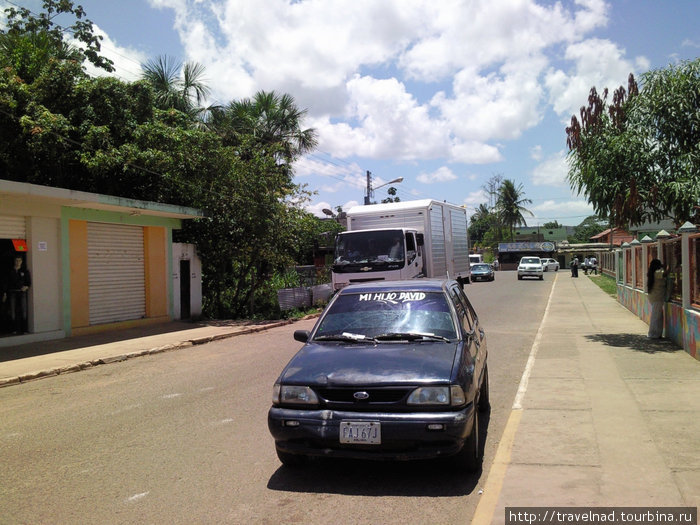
{"x": 369, "y": 188}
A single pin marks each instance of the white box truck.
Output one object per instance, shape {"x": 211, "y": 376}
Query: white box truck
{"x": 402, "y": 240}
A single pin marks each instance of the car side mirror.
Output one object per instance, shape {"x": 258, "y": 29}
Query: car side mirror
{"x": 420, "y": 239}
{"x": 301, "y": 335}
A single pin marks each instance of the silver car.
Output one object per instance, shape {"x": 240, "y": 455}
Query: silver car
{"x": 530, "y": 267}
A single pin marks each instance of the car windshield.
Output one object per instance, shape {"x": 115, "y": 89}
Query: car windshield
{"x": 363, "y": 316}
{"x": 481, "y": 268}
{"x": 530, "y": 260}
{"x": 370, "y": 246}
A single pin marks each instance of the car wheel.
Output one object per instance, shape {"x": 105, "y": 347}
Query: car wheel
{"x": 484, "y": 398}
{"x": 469, "y": 458}
{"x": 541, "y": 277}
{"x": 291, "y": 460}
{"x": 520, "y": 277}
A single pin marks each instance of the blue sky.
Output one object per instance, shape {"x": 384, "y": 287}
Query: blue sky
{"x": 444, "y": 93}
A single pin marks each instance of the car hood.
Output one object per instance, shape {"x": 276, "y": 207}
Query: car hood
{"x": 371, "y": 364}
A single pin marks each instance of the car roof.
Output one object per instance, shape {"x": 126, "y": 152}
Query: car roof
{"x": 414, "y": 285}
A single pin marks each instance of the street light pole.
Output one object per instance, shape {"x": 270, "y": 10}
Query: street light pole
{"x": 370, "y": 190}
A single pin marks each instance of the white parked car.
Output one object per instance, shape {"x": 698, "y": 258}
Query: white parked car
{"x": 550, "y": 264}
{"x": 530, "y": 267}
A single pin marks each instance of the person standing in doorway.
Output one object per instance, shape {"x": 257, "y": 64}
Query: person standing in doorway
{"x": 656, "y": 288}
{"x": 18, "y": 283}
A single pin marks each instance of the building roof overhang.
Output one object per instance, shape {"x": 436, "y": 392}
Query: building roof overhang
{"x": 94, "y": 201}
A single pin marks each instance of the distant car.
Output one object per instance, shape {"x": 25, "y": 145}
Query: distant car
{"x": 391, "y": 370}
{"x": 550, "y": 264}
{"x": 482, "y": 272}
{"x": 530, "y": 267}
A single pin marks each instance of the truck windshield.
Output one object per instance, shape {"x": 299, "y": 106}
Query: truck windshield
{"x": 370, "y": 246}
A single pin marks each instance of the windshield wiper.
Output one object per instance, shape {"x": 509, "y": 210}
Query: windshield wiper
{"x": 345, "y": 337}
{"x": 410, "y": 336}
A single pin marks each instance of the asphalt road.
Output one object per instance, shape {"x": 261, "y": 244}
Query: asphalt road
{"x": 182, "y": 437}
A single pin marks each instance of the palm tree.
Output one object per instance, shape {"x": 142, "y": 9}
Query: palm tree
{"x": 177, "y": 86}
{"x": 509, "y": 205}
{"x": 274, "y": 121}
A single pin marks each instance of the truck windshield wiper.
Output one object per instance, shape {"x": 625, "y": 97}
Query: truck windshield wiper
{"x": 409, "y": 336}
{"x": 345, "y": 337}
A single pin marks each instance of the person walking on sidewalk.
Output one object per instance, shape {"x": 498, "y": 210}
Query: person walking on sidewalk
{"x": 656, "y": 288}
{"x": 574, "y": 267}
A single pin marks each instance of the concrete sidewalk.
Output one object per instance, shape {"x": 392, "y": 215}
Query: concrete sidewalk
{"x": 31, "y": 361}
{"x": 606, "y": 417}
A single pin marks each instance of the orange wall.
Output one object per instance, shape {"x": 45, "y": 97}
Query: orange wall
{"x": 156, "y": 267}
{"x": 79, "y": 288}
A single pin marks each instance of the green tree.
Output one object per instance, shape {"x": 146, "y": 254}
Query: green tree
{"x": 481, "y": 222}
{"x": 391, "y": 191}
{"x": 176, "y": 85}
{"x": 273, "y": 120}
{"x": 553, "y": 225}
{"x": 510, "y": 205}
{"x": 636, "y": 159}
{"x": 589, "y": 227}
{"x": 28, "y": 42}
{"x": 666, "y": 116}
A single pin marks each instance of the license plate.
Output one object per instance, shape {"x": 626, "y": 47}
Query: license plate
{"x": 361, "y": 432}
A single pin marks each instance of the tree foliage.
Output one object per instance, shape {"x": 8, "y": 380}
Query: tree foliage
{"x": 510, "y": 205}
{"x": 59, "y": 127}
{"x": 638, "y": 158}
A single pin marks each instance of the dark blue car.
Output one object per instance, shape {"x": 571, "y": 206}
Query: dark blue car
{"x": 391, "y": 370}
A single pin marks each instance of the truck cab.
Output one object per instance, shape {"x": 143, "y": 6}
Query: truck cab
{"x": 377, "y": 255}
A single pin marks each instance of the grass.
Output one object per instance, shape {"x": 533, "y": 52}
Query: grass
{"x": 606, "y": 283}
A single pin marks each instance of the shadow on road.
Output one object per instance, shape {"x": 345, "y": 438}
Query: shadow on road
{"x": 639, "y": 343}
{"x": 424, "y": 478}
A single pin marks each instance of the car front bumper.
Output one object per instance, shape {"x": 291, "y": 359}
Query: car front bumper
{"x": 404, "y": 436}
{"x": 531, "y": 273}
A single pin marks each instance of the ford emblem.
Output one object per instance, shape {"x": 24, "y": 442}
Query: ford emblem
{"x": 361, "y": 396}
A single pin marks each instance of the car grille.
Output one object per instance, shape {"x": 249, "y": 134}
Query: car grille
{"x": 375, "y": 396}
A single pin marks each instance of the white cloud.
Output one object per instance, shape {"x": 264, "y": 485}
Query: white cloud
{"x": 536, "y": 153}
{"x": 568, "y": 213}
{"x": 349, "y": 63}
{"x": 597, "y": 63}
{"x": 442, "y": 174}
{"x": 551, "y": 172}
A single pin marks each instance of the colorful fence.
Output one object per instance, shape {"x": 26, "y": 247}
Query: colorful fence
{"x": 680, "y": 253}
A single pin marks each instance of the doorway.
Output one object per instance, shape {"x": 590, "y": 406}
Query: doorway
{"x": 185, "y": 289}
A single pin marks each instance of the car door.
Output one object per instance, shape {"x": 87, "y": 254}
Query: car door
{"x": 473, "y": 335}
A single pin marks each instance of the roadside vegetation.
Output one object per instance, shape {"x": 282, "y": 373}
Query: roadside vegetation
{"x": 154, "y": 140}
{"x": 606, "y": 283}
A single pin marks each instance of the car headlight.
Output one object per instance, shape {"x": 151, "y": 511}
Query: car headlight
{"x": 291, "y": 394}
{"x": 437, "y": 395}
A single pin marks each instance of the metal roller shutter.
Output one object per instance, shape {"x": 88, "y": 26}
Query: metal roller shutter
{"x": 116, "y": 273}
{"x": 13, "y": 227}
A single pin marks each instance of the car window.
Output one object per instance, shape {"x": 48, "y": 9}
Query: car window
{"x": 530, "y": 260}
{"x": 462, "y": 307}
{"x": 372, "y": 314}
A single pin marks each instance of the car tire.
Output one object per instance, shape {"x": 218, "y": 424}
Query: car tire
{"x": 541, "y": 277}
{"x": 484, "y": 397}
{"x": 520, "y": 277}
{"x": 470, "y": 457}
{"x": 291, "y": 460}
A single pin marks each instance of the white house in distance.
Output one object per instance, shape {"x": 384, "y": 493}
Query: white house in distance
{"x": 96, "y": 261}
